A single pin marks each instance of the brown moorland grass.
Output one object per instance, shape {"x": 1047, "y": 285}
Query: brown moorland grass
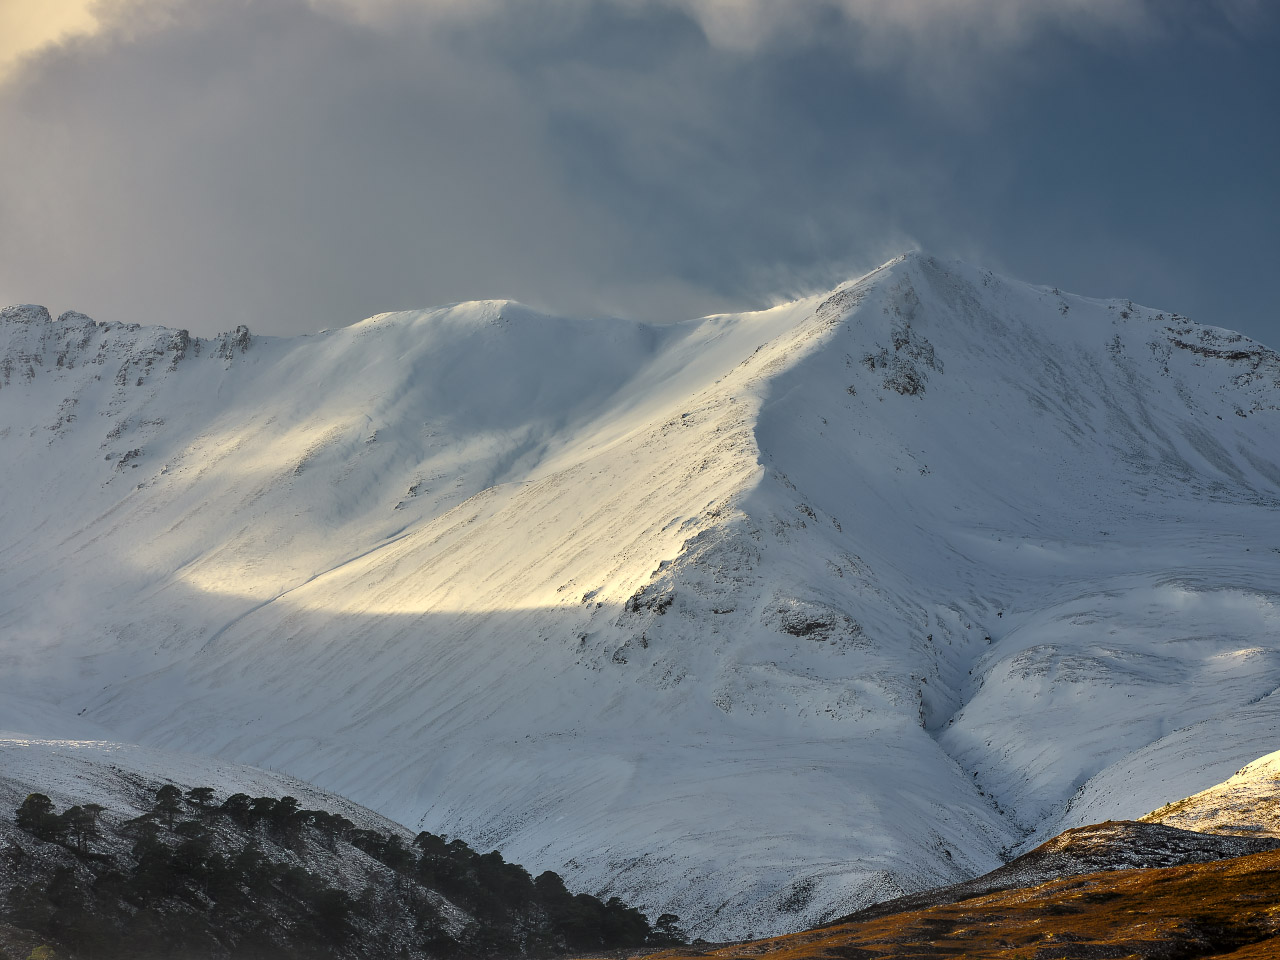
{"x": 1226, "y": 909}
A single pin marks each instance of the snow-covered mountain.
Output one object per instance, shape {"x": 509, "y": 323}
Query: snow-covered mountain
{"x": 753, "y": 618}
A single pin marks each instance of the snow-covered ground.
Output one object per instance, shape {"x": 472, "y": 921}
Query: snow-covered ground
{"x": 754, "y": 618}
{"x": 1246, "y": 804}
{"x": 123, "y": 778}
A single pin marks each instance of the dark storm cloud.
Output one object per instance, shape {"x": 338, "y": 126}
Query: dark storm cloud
{"x": 295, "y": 165}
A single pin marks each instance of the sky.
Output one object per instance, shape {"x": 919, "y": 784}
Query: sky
{"x": 301, "y": 164}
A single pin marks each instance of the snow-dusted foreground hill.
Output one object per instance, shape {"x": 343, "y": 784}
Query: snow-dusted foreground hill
{"x": 1247, "y": 804}
{"x": 753, "y": 618}
{"x": 123, "y": 777}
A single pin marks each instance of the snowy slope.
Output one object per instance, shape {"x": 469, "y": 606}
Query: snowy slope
{"x": 123, "y": 778}
{"x": 1246, "y": 804}
{"x": 755, "y": 617}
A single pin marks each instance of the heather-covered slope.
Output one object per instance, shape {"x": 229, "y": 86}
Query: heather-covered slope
{"x": 1099, "y": 847}
{"x": 753, "y": 618}
{"x": 1224, "y": 909}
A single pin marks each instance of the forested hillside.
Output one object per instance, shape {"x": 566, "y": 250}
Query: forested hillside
{"x": 199, "y": 876}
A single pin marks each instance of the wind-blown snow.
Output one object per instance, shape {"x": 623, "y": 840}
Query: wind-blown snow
{"x": 754, "y": 618}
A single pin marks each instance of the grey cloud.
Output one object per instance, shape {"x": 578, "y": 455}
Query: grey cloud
{"x": 295, "y": 164}
{"x": 278, "y": 165}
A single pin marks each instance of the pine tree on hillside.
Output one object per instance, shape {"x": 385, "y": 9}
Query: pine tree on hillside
{"x": 168, "y": 804}
{"x": 201, "y": 797}
{"x": 37, "y": 818}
